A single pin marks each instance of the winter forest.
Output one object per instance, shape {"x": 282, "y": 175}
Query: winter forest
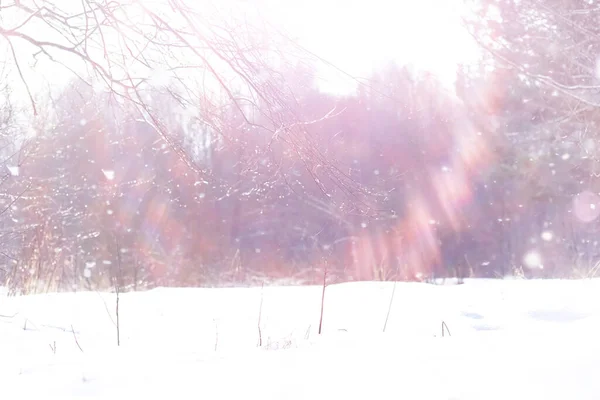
{"x": 191, "y": 147}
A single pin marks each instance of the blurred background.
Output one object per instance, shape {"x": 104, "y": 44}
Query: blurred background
{"x": 173, "y": 143}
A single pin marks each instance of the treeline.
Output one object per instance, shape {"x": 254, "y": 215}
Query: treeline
{"x": 406, "y": 179}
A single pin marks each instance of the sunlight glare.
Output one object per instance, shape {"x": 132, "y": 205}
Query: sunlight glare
{"x": 361, "y": 36}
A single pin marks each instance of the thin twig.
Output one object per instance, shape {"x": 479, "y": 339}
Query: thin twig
{"x": 260, "y": 315}
{"x": 12, "y": 49}
{"x": 448, "y": 330}
{"x": 14, "y": 200}
{"x": 106, "y": 308}
{"x": 117, "y": 315}
{"x": 75, "y": 337}
{"x": 216, "y": 334}
{"x": 323, "y": 299}
{"x": 117, "y": 280}
{"x": 389, "y": 307}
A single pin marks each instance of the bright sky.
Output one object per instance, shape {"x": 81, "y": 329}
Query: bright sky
{"x": 360, "y": 35}
{"x": 355, "y": 35}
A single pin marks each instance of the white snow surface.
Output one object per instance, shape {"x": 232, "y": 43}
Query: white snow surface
{"x": 510, "y": 339}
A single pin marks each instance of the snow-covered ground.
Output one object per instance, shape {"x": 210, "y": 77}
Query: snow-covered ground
{"x": 509, "y": 340}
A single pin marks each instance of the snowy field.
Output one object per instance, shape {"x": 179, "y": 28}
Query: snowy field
{"x": 508, "y": 340}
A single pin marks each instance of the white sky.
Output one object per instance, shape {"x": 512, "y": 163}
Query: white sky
{"x": 355, "y": 35}
{"x": 360, "y": 35}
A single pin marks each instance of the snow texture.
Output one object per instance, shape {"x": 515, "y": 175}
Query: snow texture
{"x": 509, "y": 339}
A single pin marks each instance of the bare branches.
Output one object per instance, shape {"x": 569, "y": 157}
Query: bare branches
{"x": 14, "y": 200}
{"x": 552, "y": 45}
{"x": 12, "y": 49}
{"x": 44, "y": 45}
{"x": 576, "y": 92}
{"x": 214, "y": 66}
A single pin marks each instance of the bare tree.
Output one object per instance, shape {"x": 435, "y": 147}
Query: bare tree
{"x": 209, "y": 61}
{"x": 14, "y": 150}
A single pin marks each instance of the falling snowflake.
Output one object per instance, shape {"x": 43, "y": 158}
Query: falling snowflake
{"x": 547, "y": 236}
{"x": 109, "y": 174}
{"x": 14, "y": 170}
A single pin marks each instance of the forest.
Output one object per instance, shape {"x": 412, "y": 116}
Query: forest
{"x": 245, "y": 171}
